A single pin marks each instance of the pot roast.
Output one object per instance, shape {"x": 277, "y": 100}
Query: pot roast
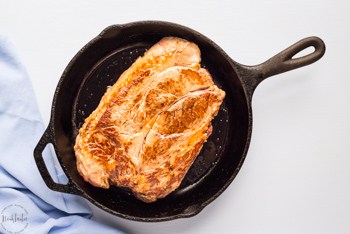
{"x": 151, "y": 124}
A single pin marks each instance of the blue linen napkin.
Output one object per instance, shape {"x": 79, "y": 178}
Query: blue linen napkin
{"x": 26, "y": 204}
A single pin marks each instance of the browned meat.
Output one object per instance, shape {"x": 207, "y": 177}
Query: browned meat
{"x": 151, "y": 124}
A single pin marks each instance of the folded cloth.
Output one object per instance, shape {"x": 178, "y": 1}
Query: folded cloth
{"x": 26, "y": 204}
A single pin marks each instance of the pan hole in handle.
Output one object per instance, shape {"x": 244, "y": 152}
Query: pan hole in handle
{"x": 304, "y": 52}
{"x": 53, "y": 166}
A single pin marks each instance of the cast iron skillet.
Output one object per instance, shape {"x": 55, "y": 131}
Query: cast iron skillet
{"x": 99, "y": 64}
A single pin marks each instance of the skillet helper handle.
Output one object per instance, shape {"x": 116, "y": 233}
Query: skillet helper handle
{"x": 284, "y": 61}
{"x": 38, "y": 156}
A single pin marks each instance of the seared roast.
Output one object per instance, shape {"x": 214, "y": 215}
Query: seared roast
{"x": 151, "y": 124}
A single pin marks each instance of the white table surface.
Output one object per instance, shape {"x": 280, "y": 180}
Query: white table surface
{"x": 296, "y": 178}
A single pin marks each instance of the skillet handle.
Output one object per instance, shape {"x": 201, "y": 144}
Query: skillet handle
{"x": 38, "y": 156}
{"x": 283, "y": 62}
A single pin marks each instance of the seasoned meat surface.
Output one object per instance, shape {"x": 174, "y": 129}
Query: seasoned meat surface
{"x": 151, "y": 124}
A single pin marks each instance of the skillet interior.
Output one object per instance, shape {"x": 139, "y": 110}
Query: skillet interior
{"x": 99, "y": 65}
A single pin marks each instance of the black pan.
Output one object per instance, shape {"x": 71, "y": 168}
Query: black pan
{"x": 99, "y": 64}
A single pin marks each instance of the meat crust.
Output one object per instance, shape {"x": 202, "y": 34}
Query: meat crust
{"x": 151, "y": 124}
